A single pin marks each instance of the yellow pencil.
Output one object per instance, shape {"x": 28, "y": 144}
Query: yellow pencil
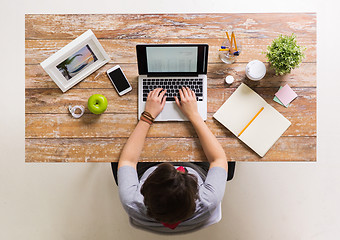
{"x": 224, "y": 49}
{"x": 250, "y": 122}
{"x": 234, "y": 38}
{"x": 228, "y": 36}
{"x": 230, "y": 43}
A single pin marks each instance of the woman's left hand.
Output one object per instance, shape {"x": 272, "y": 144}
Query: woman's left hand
{"x": 155, "y": 102}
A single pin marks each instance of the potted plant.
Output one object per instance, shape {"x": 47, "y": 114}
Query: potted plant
{"x": 284, "y": 54}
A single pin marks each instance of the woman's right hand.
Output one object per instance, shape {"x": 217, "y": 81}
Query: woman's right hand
{"x": 188, "y": 103}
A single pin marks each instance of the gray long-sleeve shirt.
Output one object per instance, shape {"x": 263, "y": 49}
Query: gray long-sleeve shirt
{"x": 208, "y": 206}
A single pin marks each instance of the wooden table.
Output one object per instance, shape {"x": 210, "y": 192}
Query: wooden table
{"x": 52, "y": 135}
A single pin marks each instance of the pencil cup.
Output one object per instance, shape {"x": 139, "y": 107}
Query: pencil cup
{"x": 226, "y": 56}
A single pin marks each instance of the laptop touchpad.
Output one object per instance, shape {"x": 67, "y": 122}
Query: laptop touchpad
{"x": 171, "y": 112}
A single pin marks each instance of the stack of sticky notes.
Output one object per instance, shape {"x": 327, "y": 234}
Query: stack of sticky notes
{"x": 285, "y": 96}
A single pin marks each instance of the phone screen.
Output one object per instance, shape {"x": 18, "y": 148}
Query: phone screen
{"x": 119, "y": 80}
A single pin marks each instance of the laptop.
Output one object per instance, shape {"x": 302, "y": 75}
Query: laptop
{"x": 171, "y": 66}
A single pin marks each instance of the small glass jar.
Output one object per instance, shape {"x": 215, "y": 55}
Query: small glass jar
{"x": 226, "y": 56}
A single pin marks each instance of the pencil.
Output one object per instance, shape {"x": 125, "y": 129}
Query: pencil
{"x": 233, "y": 37}
{"x": 250, "y": 121}
{"x": 230, "y": 43}
{"x": 228, "y": 36}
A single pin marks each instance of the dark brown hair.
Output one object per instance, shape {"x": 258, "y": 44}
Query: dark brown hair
{"x": 170, "y": 195}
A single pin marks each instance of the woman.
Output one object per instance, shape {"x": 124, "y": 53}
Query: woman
{"x": 177, "y": 197}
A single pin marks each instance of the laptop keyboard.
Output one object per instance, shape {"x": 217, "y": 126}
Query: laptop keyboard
{"x": 172, "y": 85}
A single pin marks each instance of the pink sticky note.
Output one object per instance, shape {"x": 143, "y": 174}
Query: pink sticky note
{"x": 286, "y": 95}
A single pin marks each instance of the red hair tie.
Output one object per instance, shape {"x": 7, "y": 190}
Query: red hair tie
{"x": 181, "y": 169}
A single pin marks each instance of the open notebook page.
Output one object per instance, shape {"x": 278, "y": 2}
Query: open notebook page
{"x": 238, "y": 111}
{"x": 265, "y": 130}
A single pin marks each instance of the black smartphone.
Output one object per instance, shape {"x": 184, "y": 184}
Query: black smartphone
{"x": 119, "y": 80}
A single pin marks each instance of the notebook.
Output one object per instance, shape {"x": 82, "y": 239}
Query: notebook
{"x": 241, "y": 108}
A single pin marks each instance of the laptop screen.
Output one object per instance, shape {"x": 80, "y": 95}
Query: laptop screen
{"x": 172, "y": 59}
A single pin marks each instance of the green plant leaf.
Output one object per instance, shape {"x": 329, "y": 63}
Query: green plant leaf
{"x": 284, "y": 54}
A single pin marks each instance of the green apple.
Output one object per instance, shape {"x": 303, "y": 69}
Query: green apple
{"x": 97, "y": 103}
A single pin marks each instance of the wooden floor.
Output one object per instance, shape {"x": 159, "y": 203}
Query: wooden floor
{"x": 52, "y": 135}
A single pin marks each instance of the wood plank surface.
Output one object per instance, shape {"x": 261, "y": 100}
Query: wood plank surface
{"x": 163, "y": 150}
{"x": 121, "y": 125}
{"x": 52, "y": 135}
{"x": 160, "y": 26}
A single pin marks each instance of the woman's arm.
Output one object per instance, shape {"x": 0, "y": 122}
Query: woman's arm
{"x": 134, "y": 145}
{"x": 211, "y": 147}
